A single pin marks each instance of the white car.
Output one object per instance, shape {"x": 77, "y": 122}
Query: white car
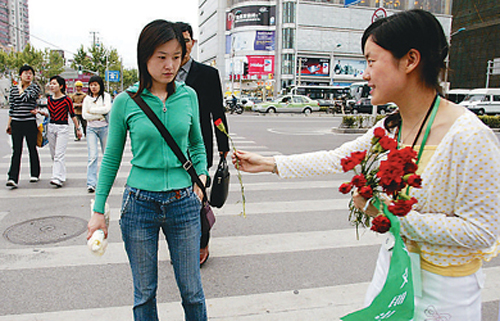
{"x": 288, "y": 104}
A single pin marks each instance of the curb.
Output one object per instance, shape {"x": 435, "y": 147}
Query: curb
{"x": 349, "y": 130}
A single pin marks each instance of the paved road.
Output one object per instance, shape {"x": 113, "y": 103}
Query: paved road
{"x": 294, "y": 257}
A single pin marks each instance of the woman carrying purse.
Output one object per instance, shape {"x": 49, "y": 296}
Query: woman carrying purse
{"x": 159, "y": 193}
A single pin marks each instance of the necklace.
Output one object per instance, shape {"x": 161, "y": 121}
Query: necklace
{"x": 432, "y": 113}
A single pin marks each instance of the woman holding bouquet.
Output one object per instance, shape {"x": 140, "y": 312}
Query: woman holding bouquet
{"x": 455, "y": 225}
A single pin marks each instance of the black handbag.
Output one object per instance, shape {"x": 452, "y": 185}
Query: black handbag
{"x": 220, "y": 184}
{"x": 206, "y": 213}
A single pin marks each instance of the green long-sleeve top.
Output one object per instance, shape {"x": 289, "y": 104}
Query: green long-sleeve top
{"x": 154, "y": 165}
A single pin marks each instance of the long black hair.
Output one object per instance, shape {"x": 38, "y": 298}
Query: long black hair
{"x": 155, "y": 34}
{"x": 98, "y": 80}
{"x": 413, "y": 29}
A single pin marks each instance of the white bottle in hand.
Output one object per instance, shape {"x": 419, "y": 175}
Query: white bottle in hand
{"x": 97, "y": 242}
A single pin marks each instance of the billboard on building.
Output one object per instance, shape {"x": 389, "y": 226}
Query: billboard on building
{"x": 314, "y": 66}
{"x": 260, "y": 65}
{"x": 254, "y": 15}
{"x": 352, "y": 67}
{"x": 264, "y": 40}
{"x": 250, "y": 41}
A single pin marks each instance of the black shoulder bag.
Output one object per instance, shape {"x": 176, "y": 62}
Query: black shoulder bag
{"x": 220, "y": 184}
{"x": 207, "y": 215}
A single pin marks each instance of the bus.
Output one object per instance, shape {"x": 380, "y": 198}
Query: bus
{"x": 321, "y": 92}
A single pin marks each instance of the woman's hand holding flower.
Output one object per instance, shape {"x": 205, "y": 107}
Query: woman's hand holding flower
{"x": 252, "y": 162}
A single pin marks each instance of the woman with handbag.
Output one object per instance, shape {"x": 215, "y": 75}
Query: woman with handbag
{"x": 95, "y": 107}
{"x": 59, "y": 106}
{"x": 159, "y": 193}
{"x": 455, "y": 225}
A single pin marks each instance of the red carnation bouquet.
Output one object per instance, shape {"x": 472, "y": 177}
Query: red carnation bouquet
{"x": 382, "y": 170}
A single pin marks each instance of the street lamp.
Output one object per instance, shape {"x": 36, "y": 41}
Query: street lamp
{"x": 448, "y": 56}
{"x": 332, "y": 71}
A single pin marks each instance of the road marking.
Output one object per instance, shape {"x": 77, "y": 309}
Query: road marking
{"x": 322, "y": 303}
{"x": 79, "y": 255}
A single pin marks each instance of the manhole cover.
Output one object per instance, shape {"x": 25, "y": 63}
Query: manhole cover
{"x": 45, "y": 230}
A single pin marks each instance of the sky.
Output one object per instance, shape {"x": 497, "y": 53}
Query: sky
{"x": 66, "y": 25}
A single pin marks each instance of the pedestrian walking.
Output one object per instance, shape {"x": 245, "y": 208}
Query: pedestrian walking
{"x": 59, "y": 106}
{"x": 455, "y": 225}
{"x": 22, "y": 125}
{"x": 77, "y": 99}
{"x": 159, "y": 194}
{"x": 96, "y": 107}
{"x": 206, "y": 82}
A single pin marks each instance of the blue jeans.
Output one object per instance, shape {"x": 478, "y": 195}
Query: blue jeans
{"x": 94, "y": 134}
{"x": 177, "y": 214}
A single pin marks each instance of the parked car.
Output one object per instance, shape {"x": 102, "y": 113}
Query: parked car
{"x": 483, "y": 101}
{"x": 364, "y": 106}
{"x": 288, "y": 104}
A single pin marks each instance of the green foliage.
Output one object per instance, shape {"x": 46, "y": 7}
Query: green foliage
{"x": 491, "y": 121}
{"x": 130, "y": 77}
{"x": 348, "y": 122}
{"x": 45, "y": 63}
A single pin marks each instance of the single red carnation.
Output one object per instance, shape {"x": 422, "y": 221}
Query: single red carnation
{"x": 345, "y": 188}
{"x": 359, "y": 156}
{"x": 379, "y": 132}
{"x": 388, "y": 143}
{"x": 366, "y": 192}
{"x": 359, "y": 180}
{"x": 381, "y": 224}
{"x": 402, "y": 207}
{"x": 415, "y": 181}
{"x": 348, "y": 163}
{"x": 217, "y": 122}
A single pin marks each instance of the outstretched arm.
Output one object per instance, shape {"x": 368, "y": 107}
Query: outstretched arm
{"x": 253, "y": 163}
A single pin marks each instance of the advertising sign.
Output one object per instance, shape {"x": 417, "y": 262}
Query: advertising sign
{"x": 264, "y": 40}
{"x": 260, "y": 65}
{"x": 353, "y": 67}
{"x": 315, "y": 66}
{"x": 250, "y": 41}
{"x": 251, "y": 16}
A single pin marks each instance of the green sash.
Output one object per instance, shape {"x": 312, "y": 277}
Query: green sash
{"x": 396, "y": 299}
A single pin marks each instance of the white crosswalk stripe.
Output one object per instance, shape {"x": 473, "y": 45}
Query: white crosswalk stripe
{"x": 307, "y": 303}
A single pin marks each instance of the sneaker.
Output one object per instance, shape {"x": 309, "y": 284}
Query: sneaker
{"x": 56, "y": 183}
{"x": 34, "y": 179}
{"x": 11, "y": 183}
{"x": 90, "y": 189}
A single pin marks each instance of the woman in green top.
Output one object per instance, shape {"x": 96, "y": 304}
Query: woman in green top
{"x": 159, "y": 193}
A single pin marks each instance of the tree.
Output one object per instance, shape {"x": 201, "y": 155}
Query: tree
{"x": 96, "y": 58}
{"x": 52, "y": 65}
{"x": 130, "y": 77}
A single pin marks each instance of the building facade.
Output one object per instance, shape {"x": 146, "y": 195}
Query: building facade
{"x": 14, "y": 24}
{"x": 273, "y": 45}
{"x": 475, "y": 41}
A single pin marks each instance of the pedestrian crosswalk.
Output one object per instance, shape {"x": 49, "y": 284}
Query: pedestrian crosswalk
{"x": 303, "y": 247}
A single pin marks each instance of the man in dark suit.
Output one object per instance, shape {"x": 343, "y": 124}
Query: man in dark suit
{"x": 206, "y": 82}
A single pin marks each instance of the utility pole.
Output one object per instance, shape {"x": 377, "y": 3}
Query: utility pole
{"x": 95, "y": 38}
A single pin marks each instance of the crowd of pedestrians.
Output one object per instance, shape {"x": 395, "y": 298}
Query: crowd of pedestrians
{"x": 88, "y": 112}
